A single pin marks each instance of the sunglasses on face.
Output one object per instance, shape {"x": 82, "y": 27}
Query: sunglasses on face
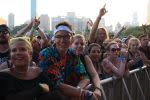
{"x": 115, "y": 49}
{"x": 4, "y": 32}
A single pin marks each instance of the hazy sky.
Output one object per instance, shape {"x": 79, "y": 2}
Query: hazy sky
{"x": 118, "y": 10}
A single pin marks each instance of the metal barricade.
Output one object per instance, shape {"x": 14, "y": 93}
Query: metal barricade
{"x": 134, "y": 87}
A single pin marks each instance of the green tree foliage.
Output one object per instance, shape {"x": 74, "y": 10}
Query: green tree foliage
{"x": 17, "y": 28}
{"x": 136, "y": 31}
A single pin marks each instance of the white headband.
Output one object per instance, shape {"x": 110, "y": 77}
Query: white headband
{"x": 62, "y": 28}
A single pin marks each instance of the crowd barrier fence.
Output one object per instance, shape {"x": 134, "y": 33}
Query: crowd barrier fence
{"x": 136, "y": 86}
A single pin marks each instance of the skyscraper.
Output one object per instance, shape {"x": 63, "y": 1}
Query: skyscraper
{"x": 78, "y": 23}
{"x": 44, "y": 22}
{"x": 135, "y": 21}
{"x": 11, "y": 20}
{"x": 33, "y": 9}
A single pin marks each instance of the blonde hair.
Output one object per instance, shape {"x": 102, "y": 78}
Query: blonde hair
{"x": 26, "y": 40}
{"x": 103, "y": 29}
{"x": 76, "y": 36}
{"x": 134, "y": 39}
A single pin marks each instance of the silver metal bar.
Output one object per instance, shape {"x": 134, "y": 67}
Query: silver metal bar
{"x": 103, "y": 92}
{"x": 125, "y": 86}
{"x": 138, "y": 83}
{"x": 147, "y": 74}
{"x": 114, "y": 78}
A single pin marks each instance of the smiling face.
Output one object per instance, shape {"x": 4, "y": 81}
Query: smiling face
{"x": 20, "y": 54}
{"x": 101, "y": 36}
{"x": 134, "y": 44}
{"x": 62, "y": 40}
{"x": 78, "y": 44}
{"x": 114, "y": 50}
{"x": 95, "y": 54}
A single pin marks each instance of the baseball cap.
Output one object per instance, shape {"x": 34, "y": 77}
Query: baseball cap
{"x": 4, "y": 28}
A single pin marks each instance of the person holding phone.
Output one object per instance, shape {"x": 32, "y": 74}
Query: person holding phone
{"x": 135, "y": 58}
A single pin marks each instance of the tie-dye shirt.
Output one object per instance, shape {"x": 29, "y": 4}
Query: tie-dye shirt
{"x": 69, "y": 69}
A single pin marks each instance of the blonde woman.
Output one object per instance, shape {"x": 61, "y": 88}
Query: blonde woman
{"x": 136, "y": 58}
{"x": 78, "y": 44}
{"x": 22, "y": 82}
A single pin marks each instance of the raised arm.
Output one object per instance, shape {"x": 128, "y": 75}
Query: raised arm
{"x": 24, "y": 30}
{"x": 35, "y": 24}
{"x": 96, "y": 23}
{"x": 35, "y": 27}
{"x": 117, "y": 35}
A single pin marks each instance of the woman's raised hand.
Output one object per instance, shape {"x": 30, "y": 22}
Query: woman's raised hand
{"x": 103, "y": 11}
{"x": 36, "y": 22}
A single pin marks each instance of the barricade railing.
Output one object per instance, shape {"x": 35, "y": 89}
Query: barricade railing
{"x": 136, "y": 86}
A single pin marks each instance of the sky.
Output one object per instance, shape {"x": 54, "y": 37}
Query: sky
{"x": 118, "y": 10}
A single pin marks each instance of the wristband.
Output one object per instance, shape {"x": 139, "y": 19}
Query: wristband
{"x": 37, "y": 28}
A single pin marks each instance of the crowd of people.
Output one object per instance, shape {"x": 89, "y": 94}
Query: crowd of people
{"x": 68, "y": 66}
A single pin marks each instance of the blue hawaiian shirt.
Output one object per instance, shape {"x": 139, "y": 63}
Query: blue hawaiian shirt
{"x": 69, "y": 69}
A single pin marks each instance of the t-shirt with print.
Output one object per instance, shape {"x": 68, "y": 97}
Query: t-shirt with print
{"x": 4, "y": 56}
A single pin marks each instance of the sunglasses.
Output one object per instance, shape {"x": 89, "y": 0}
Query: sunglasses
{"x": 115, "y": 49}
{"x": 4, "y": 32}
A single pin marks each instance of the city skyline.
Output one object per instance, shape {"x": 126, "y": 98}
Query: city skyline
{"x": 116, "y": 9}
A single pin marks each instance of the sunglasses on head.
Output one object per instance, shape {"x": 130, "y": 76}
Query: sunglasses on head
{"x": 115, "y": 49}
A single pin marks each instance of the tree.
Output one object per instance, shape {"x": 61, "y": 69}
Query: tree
{"x": 136, "y": 31}
{"x": 17, "y": 28}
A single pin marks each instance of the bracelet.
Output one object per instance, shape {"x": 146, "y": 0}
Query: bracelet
{"x": 37, "y": 28}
